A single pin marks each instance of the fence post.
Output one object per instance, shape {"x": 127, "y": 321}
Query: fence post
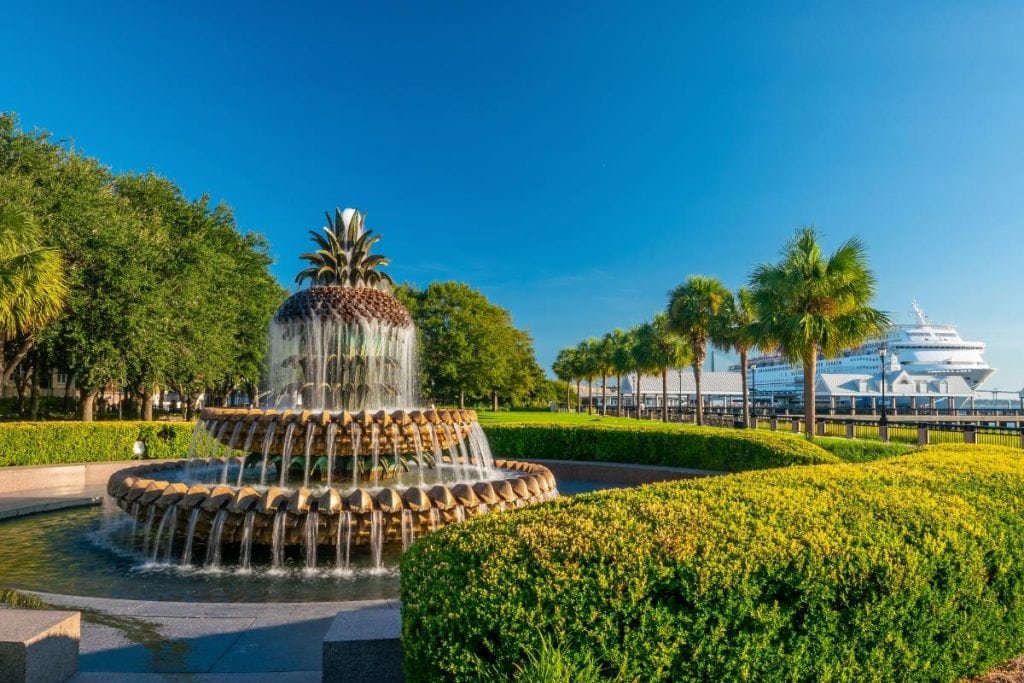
{"x": 883, "y": 432}
{"x": 970, "y": 436}
{"x": 819, "y": 427}
{"x": 773, "y": 423}
{"x": 922, "y": 436}
{"x": 796, "y": 425}
{"x": 850, "y": 433}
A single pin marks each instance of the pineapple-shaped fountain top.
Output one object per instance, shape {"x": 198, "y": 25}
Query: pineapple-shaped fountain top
{"x": 347, "y": 281}
{"x": 344, "y": 343}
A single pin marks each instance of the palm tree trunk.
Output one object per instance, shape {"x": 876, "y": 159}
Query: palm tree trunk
{"x": 604, "y": 394}
{"x": 636, "y": 396}
{"x": 618, "y": 397}
{"x": 664, "y": 394}
{"x": 699, "y": 396}
{"x": 746, "y": 398}
{"x": 568, "y": 395}
{"x": 577, "y": 395}
{"x": 590, "y": 391}
{"x": 810, "y": 364}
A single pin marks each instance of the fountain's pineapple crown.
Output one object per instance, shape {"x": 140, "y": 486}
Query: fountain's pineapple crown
{"x": 347, "y": 283}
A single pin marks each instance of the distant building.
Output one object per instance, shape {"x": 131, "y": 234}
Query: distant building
{"x": 839, "y": 390}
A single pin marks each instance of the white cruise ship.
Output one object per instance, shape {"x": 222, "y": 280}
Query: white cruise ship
{"x": 922, "y": 348}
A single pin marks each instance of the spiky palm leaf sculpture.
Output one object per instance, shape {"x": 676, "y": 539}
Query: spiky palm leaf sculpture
{"x": 343, "y": 258}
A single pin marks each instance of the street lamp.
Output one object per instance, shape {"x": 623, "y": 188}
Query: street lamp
{"x": 882, "y": 351}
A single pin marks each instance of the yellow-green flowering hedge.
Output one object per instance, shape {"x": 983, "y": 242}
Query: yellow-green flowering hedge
{"x": 53, "y": 443}
{"x": 908, "y": 569}
{"x": 705, "y": 448}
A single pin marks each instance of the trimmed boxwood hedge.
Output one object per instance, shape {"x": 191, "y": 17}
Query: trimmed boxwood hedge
{"x": 705, "y": 448}
{"x": 911, "y": 568}
{"x": 53, "y": 443}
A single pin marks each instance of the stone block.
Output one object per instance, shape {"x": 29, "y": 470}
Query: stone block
{"x": 364, "y": 645}
{"x": 38, "y": 646}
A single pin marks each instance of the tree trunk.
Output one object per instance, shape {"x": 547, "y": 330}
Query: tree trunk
{"x": 37, "y": 374}
{"x": 462, "y": 399}
{"x": 7, "y": 370}
{"x": 590, "y": 392}
{"x": 604, "y": 393}
{"x": 664, "y": 394}
{"x": 87, "y": 405}
{"x": 494, "y": 401}
{"x": 810, "y": 364}
{"x": 577, "y": 395}
{"x": 618, "y": 395}
{"x": 746, "y": 399}
{"x": 568, "y": 394}
{"x": 147, "y": 405}
{"x": 67, "y": 393}
{"x": 21, "y": 385}
{"x": 636, "y": 396}
{"x": 700, "y": 396}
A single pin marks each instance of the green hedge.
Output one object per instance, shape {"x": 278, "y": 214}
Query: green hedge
{"x": 705, "y": 448}
{"x": 48, "y": 443}
{"x": 911, "y": 568}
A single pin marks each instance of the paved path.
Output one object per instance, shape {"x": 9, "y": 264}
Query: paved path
{"x": 18, "y": 503}
{"x": 212, "y": 639}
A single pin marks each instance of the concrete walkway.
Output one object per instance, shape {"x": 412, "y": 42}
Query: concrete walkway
{"x": 19, "y": 503}
{"x": 122, "y": 639}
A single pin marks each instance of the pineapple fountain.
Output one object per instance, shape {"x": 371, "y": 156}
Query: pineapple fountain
{"x": 340, "y": 463}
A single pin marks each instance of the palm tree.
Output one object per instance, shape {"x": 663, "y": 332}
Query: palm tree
{"x": 692, "y": 311}
{"x": 658, "y": 349}
{"x": 343, "y": 258}
{"x": 563, "y": 369}
{"x": 589, "y": 366}
{"x": 733, "y": 333}
{"x": 32, "y": 284}
{"x": 603, "y": 356}
{"x": 621, "y": 362}
{"x": 810, "y": 306}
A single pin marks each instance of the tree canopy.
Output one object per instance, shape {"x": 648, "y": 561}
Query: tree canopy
{"x": 161, "y": 290}
{"x": 470, "y": 350}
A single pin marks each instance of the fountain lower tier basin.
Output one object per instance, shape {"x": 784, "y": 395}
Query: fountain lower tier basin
{"x": 272, "y": 515}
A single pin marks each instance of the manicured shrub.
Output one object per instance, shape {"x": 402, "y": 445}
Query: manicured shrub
{"x": 910, "y": 568}
{"x": 705, "y": 448}
{"x": 863, "y": 450}
{"x": 50, "y": 443}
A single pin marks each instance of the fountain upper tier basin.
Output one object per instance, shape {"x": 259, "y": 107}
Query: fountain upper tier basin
{"x": 339, "y": 433}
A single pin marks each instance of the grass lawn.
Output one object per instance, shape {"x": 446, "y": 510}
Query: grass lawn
{"x": 862, "y": 449}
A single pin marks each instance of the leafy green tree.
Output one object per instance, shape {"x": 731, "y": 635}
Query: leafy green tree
{"x": 811, "y": 306}
{"x": 733, "y": 333}
{"x": 469, "y": 347}
{"x": 658, "y": 349}
{"x": 692, "y": 311}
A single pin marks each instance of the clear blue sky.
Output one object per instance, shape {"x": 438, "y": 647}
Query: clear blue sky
{"x": 574, "y": 162}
